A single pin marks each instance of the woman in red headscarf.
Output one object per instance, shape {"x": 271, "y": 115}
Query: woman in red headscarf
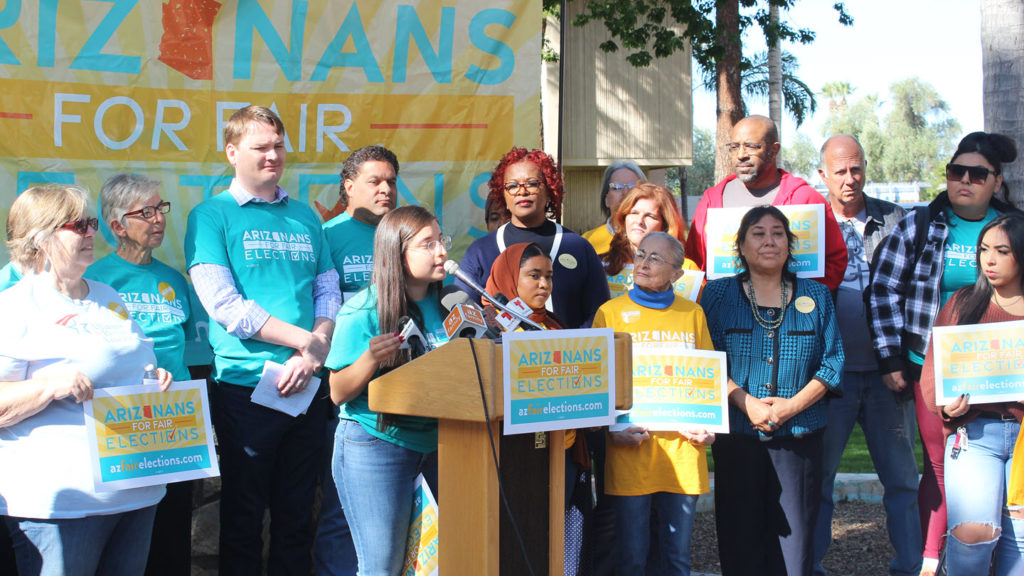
{"x": 524, "y": 271}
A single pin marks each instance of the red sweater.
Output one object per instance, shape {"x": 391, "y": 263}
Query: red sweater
{"x": 946, "y": 317}
{"x": 792, "y": 190}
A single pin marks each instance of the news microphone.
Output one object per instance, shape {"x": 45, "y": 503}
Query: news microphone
{"x": 452, "y": 267}
{"x": 461, "y": 306}
{"x": 520, "y": 313}
{"x": 412, "y": 337}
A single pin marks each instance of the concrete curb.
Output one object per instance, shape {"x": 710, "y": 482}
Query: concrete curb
{"x": 848, "y": 488}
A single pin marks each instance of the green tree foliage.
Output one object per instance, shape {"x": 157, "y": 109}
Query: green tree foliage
{"x": 910, "y": 143}
{"x": 801, "y": 157}
{"x": 701, "y": 175}
{"x": 798, "y": 97}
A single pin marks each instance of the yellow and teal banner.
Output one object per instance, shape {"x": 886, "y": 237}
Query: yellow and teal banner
{"x": 807, "y": 221}
{"x": 139, "y": 436}
{"x": 421, "y": 546}
{"x": 676, "y": 388}
{"x": 558, "y": 380}
{"x": 983, "y": 360}
{"x": 96, "y": 87}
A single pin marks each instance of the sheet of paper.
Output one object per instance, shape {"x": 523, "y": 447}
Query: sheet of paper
{"x": 266, "y": 393}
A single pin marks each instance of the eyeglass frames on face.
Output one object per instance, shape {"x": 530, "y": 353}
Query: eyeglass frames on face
{"x": 82, "y": 226}
{"x": 444, "y": 242}
{"x": 531, "y": 186}
{"x": 148, "y": 212}
{"x": 977, "y": 174}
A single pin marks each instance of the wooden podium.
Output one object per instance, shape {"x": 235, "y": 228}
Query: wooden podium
{"x": 443, "y": 384}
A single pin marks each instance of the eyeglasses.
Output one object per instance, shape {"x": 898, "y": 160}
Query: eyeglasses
{"x": 621, "y": 186}
{"x": 445, "y": 241}
{"x": 977, "y": 174}
{"x": 531, "y": 186}
{"x": 148, "y": 212}
{"x": 734, "y": 147}
{"x": 82, "y": 226}
{"x": 653, "y": 258}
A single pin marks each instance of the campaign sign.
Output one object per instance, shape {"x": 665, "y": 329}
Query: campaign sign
{"x": 688, "y": 286}
{"x": 807, "y": 221}
{"x": 421, "y": 546}
{"x": 675, "y": 388}
{"x": 139, "y": 436}
{"x": 983, "y": 360}
{"x": 558, "y": 379}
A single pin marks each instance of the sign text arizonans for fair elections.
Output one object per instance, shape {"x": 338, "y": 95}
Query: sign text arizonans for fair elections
{"x": 983, "y": 360}
{"x": 94, "y": 88}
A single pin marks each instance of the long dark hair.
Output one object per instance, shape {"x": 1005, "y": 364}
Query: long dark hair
{"x": 390, "y": 242}
{"x": 973, "y": 300}
{"x": 753, "y": 216}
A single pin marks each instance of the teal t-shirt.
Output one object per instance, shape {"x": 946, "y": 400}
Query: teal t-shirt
{"x": 157, "y": 297}
{"x": 275, "y": 252}
{"x": 9, "y": 276}
{"x": 959, "y": 258}
{"x": 356, "y": 324}
{"x": 351, "y": 244}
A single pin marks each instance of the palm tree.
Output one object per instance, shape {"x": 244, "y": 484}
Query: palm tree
{"x": 837, "y": 91}
{"x": 1002, "y": 28}
{"x": 798, "y": 97}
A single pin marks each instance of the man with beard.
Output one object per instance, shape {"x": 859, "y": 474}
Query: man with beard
{"x": 754, "y": 149}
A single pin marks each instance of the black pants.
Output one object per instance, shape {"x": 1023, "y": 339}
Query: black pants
{"x": 766, "y": 504}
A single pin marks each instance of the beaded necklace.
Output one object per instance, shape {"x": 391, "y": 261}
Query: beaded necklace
{"x": 764, "y": 323}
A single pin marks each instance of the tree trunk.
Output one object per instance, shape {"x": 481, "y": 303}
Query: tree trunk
{"x": 727, "y": 80}
{"x": 775, "y": 73}
{"x": 1002, "y": 50}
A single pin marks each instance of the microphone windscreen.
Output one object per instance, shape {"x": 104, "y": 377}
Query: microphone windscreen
{"x": 452, "y": 296}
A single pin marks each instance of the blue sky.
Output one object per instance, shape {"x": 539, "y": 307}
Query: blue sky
{"x": 939, "y": 41}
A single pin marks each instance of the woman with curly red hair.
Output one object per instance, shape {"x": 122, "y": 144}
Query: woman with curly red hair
{"x": 528, "y": 184}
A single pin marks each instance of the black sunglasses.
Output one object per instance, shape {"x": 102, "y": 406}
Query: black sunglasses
{"x": 978, "y": 174}
{"x": 82, "y": 226}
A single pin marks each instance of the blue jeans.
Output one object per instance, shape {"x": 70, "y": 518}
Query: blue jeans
{"x": 107, "y": 545}
{"x": 976, "y": 493}
{"x": 267, "y": 460}
{"x": 889, "y": 424}
{"x": 375, "y": 481}
{"x": 674, "y": 517}
{"x": 334, "y": 554}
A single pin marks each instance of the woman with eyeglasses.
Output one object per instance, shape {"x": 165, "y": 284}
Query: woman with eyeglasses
{"x": 928, "y": 256}
{"x": 619, "y": 179}
{"x": 645, "y": 208}
{"x": 65, "y": 336}
{"x": 530, "y": 186}
{"x": 377, "y": 457}
{"x": 782, "y": 339}
{"x": 158, "y": 298}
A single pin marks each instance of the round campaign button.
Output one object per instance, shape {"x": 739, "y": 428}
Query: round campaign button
{"x": 804, "y": 304}
{"x": 568, "y": 261}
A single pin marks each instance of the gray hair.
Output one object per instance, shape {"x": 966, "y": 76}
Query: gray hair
{"x": 36, "y": 214}
{"x": 821, "y": 153}
{"x": 122, "y": 191}
{"x": 606, "y": 181}
{"x": 676, "y": 251}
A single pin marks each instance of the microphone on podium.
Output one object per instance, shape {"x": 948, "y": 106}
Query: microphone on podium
{"x": 465, "y": 319}
{"x": 452, "y": 267}
{"x": 412, "y": 337}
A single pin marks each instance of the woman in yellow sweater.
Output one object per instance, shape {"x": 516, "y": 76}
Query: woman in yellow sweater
{"x": 648, "y": 470}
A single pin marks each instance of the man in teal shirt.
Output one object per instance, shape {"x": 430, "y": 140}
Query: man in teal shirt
{"x": 369, "y": 191}
{"x": 262, "y": 270}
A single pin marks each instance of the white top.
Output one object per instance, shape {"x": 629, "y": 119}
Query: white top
{"x": 45, "y": 468}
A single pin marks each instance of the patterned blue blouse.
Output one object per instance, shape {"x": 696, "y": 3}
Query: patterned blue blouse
{"x": 777, "y": 362}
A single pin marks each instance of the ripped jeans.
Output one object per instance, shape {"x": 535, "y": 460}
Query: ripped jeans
{"x": 976, "y": 493}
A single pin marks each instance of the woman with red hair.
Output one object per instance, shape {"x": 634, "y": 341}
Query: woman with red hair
{"x": 528, "y": 184}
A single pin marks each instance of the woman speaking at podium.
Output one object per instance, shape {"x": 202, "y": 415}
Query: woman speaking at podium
{"x": 377, "y": 457}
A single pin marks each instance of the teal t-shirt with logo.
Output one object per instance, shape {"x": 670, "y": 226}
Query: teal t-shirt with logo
{"x": 157, "y": 297}
{"x": 351, "y": 244}
{"x": 275, "y": 252}
{"x": 356, "y": 324}
{"x": 959, "y": 257}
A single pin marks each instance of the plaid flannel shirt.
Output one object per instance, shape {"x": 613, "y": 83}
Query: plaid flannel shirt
{"x": 904, "y": 295}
